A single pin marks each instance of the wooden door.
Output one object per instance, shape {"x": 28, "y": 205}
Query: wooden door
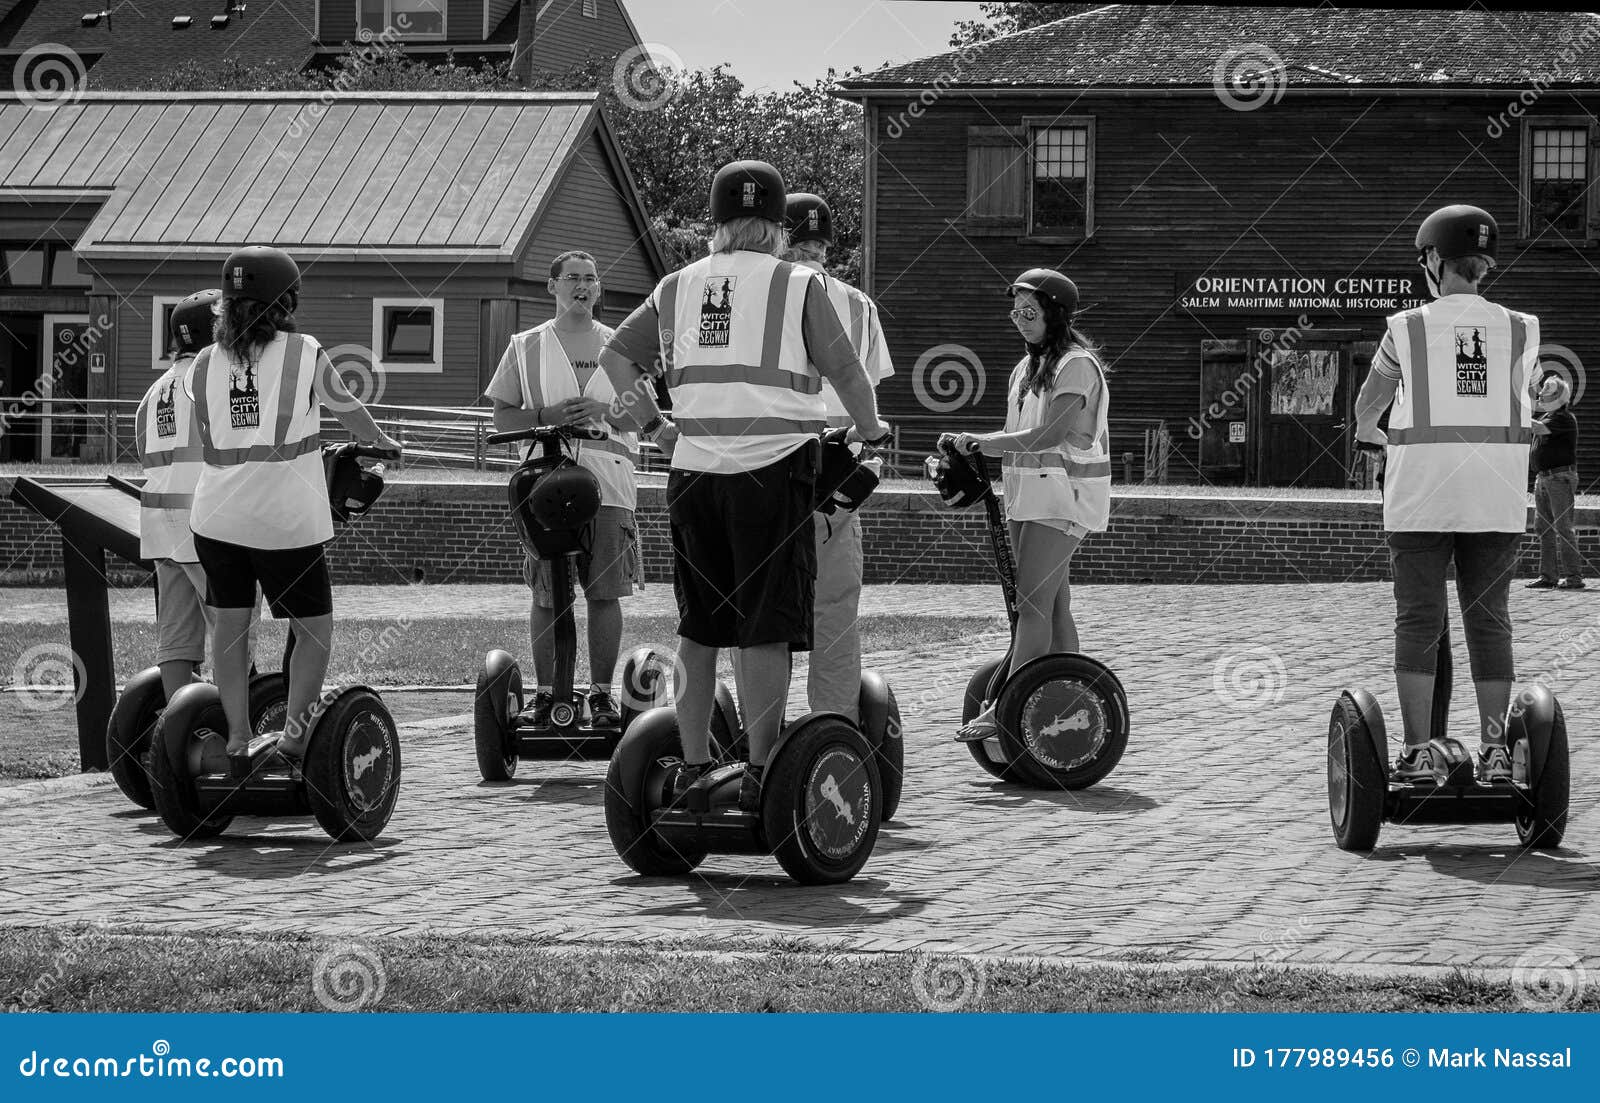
{"x": 1306, "y": 414}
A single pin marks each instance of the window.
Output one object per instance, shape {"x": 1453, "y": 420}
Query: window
{"x": 1558, "y": 161}
{"x": 408, "y": 334}
{"x": 1036, "y": 179}
{"x": 408, "y": 18}
{"x": 161, "y": 330}
{"x": 64, "y": 269}
{"x": 591, "y": 9}
{"x": 22, "y": 266}
{"x": 1059, "y": 187}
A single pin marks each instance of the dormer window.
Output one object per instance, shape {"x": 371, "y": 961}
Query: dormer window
{"x": 406, "y": 19}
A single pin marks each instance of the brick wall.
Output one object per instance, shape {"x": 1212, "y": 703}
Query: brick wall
{"x": 462, "y": 533}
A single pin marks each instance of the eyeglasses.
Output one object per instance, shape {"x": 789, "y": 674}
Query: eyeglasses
{"x": 569, "y": 280}
{"x": 1024, "y": 314}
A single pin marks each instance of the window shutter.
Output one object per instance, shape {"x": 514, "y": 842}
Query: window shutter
{"x": 997, "y": 172}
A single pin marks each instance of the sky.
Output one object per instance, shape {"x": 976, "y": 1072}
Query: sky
{"x": 769, "y": 43}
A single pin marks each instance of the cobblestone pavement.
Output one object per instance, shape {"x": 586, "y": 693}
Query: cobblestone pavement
{"x": 1209, "y": 843}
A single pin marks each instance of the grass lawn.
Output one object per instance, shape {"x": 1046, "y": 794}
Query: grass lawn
{"x": 42, "y": 744}
{"x": 75, "y": 971}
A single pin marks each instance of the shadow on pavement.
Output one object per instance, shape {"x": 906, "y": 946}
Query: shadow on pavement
{"x": 776, "y": 899}
{"x": 276, "y": 857}
{"x": 1565, "y": 869}
{"x": 1103, "y": 799}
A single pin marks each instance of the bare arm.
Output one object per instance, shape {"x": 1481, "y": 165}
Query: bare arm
{"x": 1061, "y": 418}
{"x": 346, "y": 408}
{"x": 635, "y": 404}
{"x": 509, "y": 418}
{"x": 1377, "y": 394}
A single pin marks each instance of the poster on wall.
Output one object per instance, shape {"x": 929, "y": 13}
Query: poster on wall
{"x": 1304, "y": 382}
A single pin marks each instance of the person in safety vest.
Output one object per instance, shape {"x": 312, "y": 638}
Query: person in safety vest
{"x": 550, "y": 375}
{"x": 1453, "y": 376}
{"x": 168, "y": 440}
{"x": 261, "y": 513}
{"x": 745, "y": 341}
{"x": 834, "y": 682}
{"x": 1055, "y": 465}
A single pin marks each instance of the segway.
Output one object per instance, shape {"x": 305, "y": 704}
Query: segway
{"x": 350, "y": 777}
{"x": 1362, "y": 796}
{"x": 552, "y": 499}
{"x": 1062, "y": 718}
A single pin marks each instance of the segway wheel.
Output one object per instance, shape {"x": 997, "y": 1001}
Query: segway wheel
{"x": 1063, "y": 721}
{"x": 352, "y": 766}
{"x": 988, "y": 753}
{"x": 269, "y": 702}
{"x": 495, "y": 708}
{"x": 822, "y": 801}
{"x": 646, "y": 680}
{"x": 192, "y": 728}
{"x": 636, "y": 786}
{"x": 1543, "y": 821}
{"x": 128, "y": 735}
{"x": 1356, "y": 779}
{"x": 880, "y": 722}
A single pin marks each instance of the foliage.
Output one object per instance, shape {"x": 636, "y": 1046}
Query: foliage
{"x": 1007, "y": 18}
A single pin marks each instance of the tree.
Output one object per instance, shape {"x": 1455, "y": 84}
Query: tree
{"x": 1007, "y": 18}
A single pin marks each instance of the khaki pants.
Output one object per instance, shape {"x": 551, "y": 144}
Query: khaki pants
{"x": 835, "y": 681}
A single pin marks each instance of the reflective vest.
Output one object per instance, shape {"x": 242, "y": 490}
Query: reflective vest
{"x": 744, "y": 391}
{"x": 262, "y": 485}
{"x": 612, "y": 460}
{"x": 859, "y": 317}
{"x": 1461, "y": 424}
{"x": 1065, "y": 483}
{"x": 168, "y": 439}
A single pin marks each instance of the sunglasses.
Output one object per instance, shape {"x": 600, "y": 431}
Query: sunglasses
{"x": 585, "y": 280}
{"x": 1024, "y": 313}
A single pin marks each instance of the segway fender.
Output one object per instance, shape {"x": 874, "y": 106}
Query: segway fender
{"x": 496, "y": 664}
{"x": 182, "y": 714}
{"x": 1533, "y": 715}
{"x": 631, "y": 759}
{"x": 1367, "y": 705}
{"x": 129, "y": 730}
{"x": 875, "y": 709}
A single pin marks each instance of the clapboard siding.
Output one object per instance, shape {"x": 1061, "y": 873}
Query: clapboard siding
{"x": 565, "y": 38}
{"x": 1182, "y": 184}
{"x": 588, "y": 212}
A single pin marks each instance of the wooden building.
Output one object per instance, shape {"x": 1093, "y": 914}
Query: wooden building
{"x": 1236, "y": 191}
{"x": 424, "y": 225}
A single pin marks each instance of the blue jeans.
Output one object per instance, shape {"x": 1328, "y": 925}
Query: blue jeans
{"x": 1558, "y": 544}
{"x": 1484, "y": 563}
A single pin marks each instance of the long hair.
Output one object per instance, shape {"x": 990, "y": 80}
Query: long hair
{"x": 757, "y": 235}
{"x": 1060, "y": 338}
{"x": 246, "y": 326}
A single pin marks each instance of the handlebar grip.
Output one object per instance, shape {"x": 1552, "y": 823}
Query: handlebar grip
{"x": 544, "y": 432}
{"x": 377, "y": 451}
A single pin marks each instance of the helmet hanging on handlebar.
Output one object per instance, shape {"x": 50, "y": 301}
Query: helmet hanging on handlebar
{"x": 843, "y": 480}
{"x": 352, "y": 489}
{"x": 552, "y": 504}
{"x": 957, "y": 479}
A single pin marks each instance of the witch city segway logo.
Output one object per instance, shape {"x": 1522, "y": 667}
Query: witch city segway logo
{"x": 244, "y": 400}
{"x": 716, "y": 311}
{"x": 1472, "y": 366}
{"x": 166, "y": 412}
{"x": 1064, "y": 724}
{"x": 839, "y": 805}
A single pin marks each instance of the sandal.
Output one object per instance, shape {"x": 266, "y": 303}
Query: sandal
{"x": 980, "y": 727}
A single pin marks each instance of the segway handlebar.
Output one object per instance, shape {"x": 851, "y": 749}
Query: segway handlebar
{"x": 374, "y": 451}
{"x": 545, "y": 433}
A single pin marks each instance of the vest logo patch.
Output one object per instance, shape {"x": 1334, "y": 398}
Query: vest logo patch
{"x": 747, "y": 195}
{"x": 716, "y": 311}
{"x": 166, "y": 412}
{"x": 1472, "y": 365}
{"x": 244, "y": 401}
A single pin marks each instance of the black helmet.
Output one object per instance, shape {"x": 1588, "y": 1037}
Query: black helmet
{"x": 262, "y": 273}
{"x": 552, "y": 504}
{"x": 842, "y": 479}
{"x": 956, "y": 477}
{"x": 1049, "y": 282}
{"x": 747, "y": 189}
{"x": 808, "y": 218}
{"x": 1460, "y": 231}
{"x": 352, "y": 489}
{"x": 192, "y": 320}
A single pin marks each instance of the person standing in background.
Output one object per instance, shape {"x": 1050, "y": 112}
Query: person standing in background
{"x": 1554, "y": 462}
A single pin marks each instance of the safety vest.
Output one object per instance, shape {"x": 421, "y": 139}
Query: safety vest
{"x": 168, "y": 439}
{"x": 1461, "y": 424}
{"x": 263, "y": 484}
{"x": 859, "y": 317}
{"x": 549, "y": 374}
{"x": 1065, "y": 483}
{"x": 744, "y": 391}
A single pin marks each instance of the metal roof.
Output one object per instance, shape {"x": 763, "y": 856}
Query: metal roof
{"x": 456, "y": 176}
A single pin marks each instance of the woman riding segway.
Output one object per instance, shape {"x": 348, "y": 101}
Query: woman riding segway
{"x": 1055, "y": 466}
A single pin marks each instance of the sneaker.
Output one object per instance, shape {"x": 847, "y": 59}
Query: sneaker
{"x": 538, "y": 714}
{"x": 603, "y": 710}
{"x": 750, "y": 792}
{"x": 1414, "y": 764}
{"x": 1541, "y": 583}
{"x": 980, "y": 727}
{"x": 681, "y": 784}
{"x": 1573, "y": 583}
{"x": 1494, "y": 765}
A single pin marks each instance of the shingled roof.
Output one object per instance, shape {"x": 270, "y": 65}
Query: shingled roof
{"x": 1131, "y": 45}
{"x": 451, "y": 176}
